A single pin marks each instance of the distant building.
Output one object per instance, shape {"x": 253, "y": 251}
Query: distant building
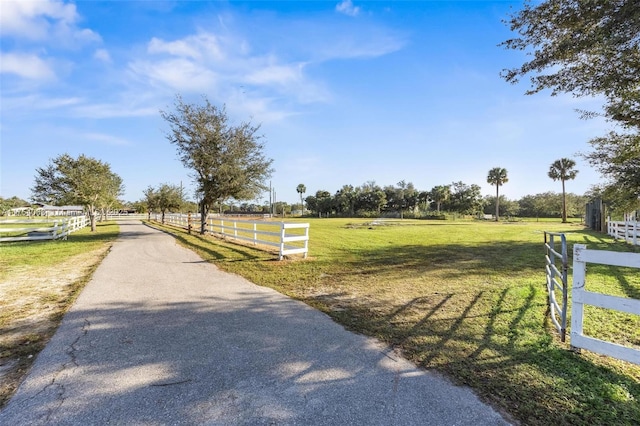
{"x": 47, "y": 210}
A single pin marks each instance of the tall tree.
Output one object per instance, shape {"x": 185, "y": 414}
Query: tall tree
{"x": 498, "y": 177}
{"x": 301, "y": 189}
{"x": 563, "y": 170}
{"x": 440, "y": 194}
{"x": 165, "y": 197}
{"x": 324, "y": 201}
{"x": 227, "y": 160}
{"x": 406, "y": 197}
{"x": 83, "y": 180}
{"x": 344, "y": 200}
{"x": 466, "y": 199}
{"x": 589, "y": 48}
{"x": 312, "y": 203}
{"x": 370, "y": 197}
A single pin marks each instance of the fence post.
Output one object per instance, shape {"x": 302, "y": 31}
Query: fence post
{"x": 565, "y": 286}
{"x": 306, "y": 241}
{"x": 579, "y": 281}
{"x": 255, "y": 234}
{"x": 282, "y": 235}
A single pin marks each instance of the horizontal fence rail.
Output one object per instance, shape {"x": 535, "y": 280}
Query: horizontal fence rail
{"x": 288, "y": 238}
{"x": 556, "y": 253}
{"x": 39, "y": 229}
{"x": 627, "y": 230}
{"x": 580, "y": 297}
{"x": 125, "y": 216}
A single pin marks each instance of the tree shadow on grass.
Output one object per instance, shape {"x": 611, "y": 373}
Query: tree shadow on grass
{"x": 495, "y": 341}
{"x": 209, "y": 246}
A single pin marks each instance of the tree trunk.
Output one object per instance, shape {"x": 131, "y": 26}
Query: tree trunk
{"x": 203, "y": 218}
{"x": 497, "y": 204}
{"x": 564, "y": 204}
{"x": 92, "y": 218}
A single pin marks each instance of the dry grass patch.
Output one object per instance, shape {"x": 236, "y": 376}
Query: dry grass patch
{"x": 35, "y": 294}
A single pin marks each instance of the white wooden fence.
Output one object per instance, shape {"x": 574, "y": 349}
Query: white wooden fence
{"x": 581, "y": 297}
{"x": 39, "y": 229}
{"x": 289, "y": 238}
{"x": 625, "y": 230}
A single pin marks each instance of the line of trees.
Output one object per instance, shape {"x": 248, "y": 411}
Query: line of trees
{"x": 404, "y": 200}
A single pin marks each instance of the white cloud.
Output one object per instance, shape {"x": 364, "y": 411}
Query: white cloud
{"x": 199, "y": 46}
{"x": 362, "y": 45}
{"x": 261, "y": 110}
{"x": 102, "y": 55}
{"x": 113, "y": 110}
{"x": 178, "y": 74}
{"x": 206, "y": 62}
{"x": 33, "y": 102}
{"x": 26, "y": 66}
{"x": 348, "y": 8}
{"x": 52, "y": 21}
{"x": 107, "y": 139}
{"x": 276, "y": 74}
{"x": 249, "y": 73}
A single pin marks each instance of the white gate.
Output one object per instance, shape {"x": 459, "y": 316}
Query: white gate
{"x": 556, "y": 253}
{"x": 581, "y": 297}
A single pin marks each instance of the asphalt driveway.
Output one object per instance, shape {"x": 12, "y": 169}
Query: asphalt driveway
{"x": 160, "y": 337}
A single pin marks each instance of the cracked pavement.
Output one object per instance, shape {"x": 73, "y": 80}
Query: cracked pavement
{"x": 160, "y": 337}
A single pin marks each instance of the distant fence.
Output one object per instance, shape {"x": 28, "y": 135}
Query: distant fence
{"x": 581, "y": 297}
{"x": 556, "y": 255}
{"x": 40, "y": 229}
{"x": 625, "y": 230}
{"x": 125, "y": 216}
{"x": 289, "y": 238}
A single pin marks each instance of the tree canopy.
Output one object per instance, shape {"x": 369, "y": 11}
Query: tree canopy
{"x": 164, "y": 197}
{"x": 83, "y": 180}
{"x": 563, "y": 170}
{"x": 227, "y": 160}
{"x": 583, "y": 47}
{"x": 301, "y": 189}
{"x": 589, "y": 48}
{"x": 497, "y": 177}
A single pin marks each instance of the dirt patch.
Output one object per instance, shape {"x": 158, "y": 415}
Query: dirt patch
{"x": 33, "y": 300}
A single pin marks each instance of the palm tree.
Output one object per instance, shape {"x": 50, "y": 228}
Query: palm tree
{"x": 439, "y": 194}
{"x": 301, "y": 189}
{"x": 562, "y": 170}
{"x": 497, "y": 176}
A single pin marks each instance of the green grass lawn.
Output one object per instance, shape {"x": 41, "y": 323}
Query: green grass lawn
{"x": 50, "y": 252}
{"x": 467, "y": 299}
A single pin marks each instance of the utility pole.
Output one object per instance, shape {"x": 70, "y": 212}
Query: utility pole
{"x": 270, "y": 199}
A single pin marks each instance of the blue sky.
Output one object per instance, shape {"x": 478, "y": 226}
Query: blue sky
{"x": 345, "y": 92}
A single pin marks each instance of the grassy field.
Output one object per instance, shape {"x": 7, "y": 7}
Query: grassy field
{"x": 38, "y": 282}
{"x": 467, "y": 299}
